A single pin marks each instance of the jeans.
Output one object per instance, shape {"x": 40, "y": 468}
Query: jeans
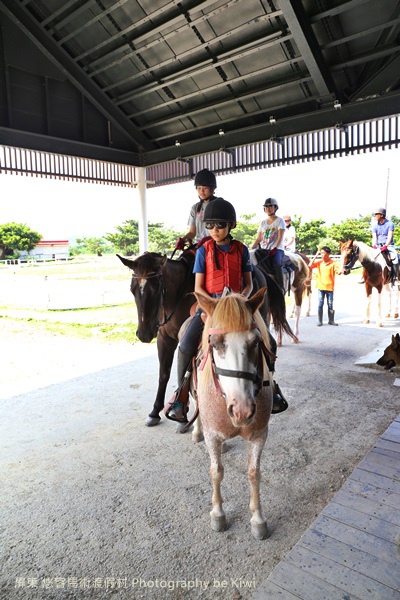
{"x": 322, "y": 294}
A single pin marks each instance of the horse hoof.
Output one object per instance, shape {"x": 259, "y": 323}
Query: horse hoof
{"x": 259, "y": 531}
{"x": 396, "y": 315}
{"x": 181, "y": 428}
{"x": 218, "y": 523}
{"x": 366, "y": 321}
{"x": 152, "y": 421}
{"x": 295, "y": 340}
{"x": 197, "y": 437}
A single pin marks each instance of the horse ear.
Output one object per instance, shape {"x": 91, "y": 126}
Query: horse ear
{"x": 164, "y": 260}
{"x": 255, "y": 301}
{"x": 127, "y": 262}
{"x": 206, "y": 303}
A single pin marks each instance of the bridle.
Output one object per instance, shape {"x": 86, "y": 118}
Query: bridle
{"x": 161, "y": 288}
{"x": 353, "y": 258}
{"x": 256, "y": 378}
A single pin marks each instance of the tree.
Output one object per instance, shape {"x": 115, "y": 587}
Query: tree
{"x": 246, "y": 230}
{"x": 396, "y": 236}
{"x": 16, "y": 237}
{"x": 309, "y": 235}
{"x": 91, "y": 245}
{"x": 126, "y": 240}
{"x": 161, "y": 239}
{"x": 358, "y": 229}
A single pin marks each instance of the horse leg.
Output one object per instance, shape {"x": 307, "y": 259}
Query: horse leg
{"x": 214, "y": 447}
{"x": 368, "y": 306}
{"x": 166, "y": 347}
{"x": 259, "y": 526}
{"x": 197, "y": 435}
{"x": 379, "y": 319}
{"x": 297, "y": 311}
{"x": 308, "y": 312}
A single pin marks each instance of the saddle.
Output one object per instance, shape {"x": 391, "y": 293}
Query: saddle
{"x": 392, "y": 267}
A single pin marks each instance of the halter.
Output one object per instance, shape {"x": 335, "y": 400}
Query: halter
{"x": 163, "y": 292}
{"x": 256, "y": 378}
{"x": 353, "y": 258}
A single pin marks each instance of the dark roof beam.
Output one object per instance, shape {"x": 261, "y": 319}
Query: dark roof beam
{"x": 239, "y": 78}
{"x": 147, "y": 19}
{"x": 361, "y": 34}
{"x": 327, "y": 118}
{"x": 308, "y": 46}
{"x": 367, "y": 57}
{"x": 205, "y": 66}
{"x": 23, "y": 20}
{"x": 70, "y": 16}
{"x": 223, "y": 123}
{"x": 337, "y": 10}
{"x": 277, "y": 85}
{"x": 96, "y": 18}
{"x": 270, "y": 37}
{"x": 106, "y": 61}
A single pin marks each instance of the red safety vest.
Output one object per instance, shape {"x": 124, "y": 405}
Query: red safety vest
{"x": 230, "y": 272}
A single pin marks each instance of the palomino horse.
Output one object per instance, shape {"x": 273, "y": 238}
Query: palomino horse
{"x": 163, "y": 291}
{"x": 234, "y": 393}
{"x": 375, "y": 274}
{"x": 299, "y": 283}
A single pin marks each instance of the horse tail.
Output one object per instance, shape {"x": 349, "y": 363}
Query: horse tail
{"x": 277, "y": 308}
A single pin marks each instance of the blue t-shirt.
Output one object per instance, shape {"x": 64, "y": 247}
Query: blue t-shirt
{"x": 382, "y": 231}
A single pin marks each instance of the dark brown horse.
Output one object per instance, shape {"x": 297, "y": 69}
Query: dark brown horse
{"x": 163, "y": 291}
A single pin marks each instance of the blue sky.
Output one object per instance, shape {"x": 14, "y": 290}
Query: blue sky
{"x": 333, "y": 190}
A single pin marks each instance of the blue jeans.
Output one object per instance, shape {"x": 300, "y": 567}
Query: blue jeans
{"x": 322, "y": 294}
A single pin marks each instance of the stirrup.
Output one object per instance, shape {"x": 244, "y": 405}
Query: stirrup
{"x": 279, "y": 402}
{"x": 174, "y": 403}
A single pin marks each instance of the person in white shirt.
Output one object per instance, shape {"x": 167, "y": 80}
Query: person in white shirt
{"x": 289, "y": 237}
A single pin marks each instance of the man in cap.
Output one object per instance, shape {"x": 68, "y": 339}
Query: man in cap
{"x": 382, "y": 237}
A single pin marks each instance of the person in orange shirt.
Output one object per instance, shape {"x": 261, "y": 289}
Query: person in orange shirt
{"x": 327, "y": 269}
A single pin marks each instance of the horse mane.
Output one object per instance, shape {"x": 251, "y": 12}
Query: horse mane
{"x": 232, "y": 314}
{"x": 365, "y": 251}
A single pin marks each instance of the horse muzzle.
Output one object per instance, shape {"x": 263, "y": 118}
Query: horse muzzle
{"x": 241, "y": 413}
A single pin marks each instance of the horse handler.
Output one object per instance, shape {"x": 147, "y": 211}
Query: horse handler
{"x": 326, "y": 271}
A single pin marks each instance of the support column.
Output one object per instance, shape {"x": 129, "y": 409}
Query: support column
{"x": 143, "y": 231}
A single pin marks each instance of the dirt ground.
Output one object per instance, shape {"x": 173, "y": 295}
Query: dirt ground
{"x": 95, "y": 505}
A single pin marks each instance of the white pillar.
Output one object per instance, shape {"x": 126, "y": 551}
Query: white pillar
{"x": 143, "y": 231}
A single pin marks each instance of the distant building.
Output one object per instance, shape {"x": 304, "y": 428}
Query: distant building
{"x": 48, "y": 250}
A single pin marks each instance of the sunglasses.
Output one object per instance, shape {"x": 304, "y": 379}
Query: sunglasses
{"x": 287, "y": 220}
{"x": 220, "y": 225}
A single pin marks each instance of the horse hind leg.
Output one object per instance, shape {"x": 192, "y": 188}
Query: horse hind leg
{"x": 259, "y": 526}
{"x": 197, "y": 435}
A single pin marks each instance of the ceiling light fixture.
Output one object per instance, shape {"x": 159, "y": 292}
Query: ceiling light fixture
{"x": 177, "y": 143}
{"x": 272, "y": 120}
{"x": 337, "y": 105}
{"x": 221, "y": 132}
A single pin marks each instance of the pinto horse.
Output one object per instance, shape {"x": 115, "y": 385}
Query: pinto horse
{"x": 375, "y": 273}
{"x": 163, "y": 292}
{"x": 299, "y": 283}
{"x": 234, "y": 393}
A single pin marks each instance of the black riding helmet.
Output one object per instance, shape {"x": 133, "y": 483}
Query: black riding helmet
{"x": 220, "y": 210}
{"x": 205, "y": 178}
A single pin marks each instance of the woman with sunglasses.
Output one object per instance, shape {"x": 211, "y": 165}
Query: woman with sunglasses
{"x": 222, "y": 265}
{"x": 270, "y": 237}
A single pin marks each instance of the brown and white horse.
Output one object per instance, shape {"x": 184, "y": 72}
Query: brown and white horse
{"x": 234, "y": 393}
{"x": 375, "y": 274}
{"x": 299, "y": 283}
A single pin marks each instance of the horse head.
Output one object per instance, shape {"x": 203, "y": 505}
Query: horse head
{"x": 147, "y": 287}
{"x": 349, "y": 252}
{"x": 232, "y": 337}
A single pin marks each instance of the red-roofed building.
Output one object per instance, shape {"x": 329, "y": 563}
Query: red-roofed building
{"x": 48, "y": 249}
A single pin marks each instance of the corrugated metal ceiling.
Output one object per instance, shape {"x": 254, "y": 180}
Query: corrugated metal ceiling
{"x": 152, "y": 81}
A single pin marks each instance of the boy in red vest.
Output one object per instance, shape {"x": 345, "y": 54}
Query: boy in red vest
{"x": 222, "y": 265}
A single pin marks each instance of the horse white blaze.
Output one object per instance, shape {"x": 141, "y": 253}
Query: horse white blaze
{"x": 235, "y": 355}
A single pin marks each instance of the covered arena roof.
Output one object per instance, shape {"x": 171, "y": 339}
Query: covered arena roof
{"x": 177, "y": 85}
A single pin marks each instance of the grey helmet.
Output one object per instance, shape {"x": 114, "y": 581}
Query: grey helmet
{"x": 271, "y": 201}
{"x": 380, "y": 211}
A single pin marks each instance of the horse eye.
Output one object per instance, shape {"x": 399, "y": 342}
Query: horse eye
{"x": 217, "y": 340}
